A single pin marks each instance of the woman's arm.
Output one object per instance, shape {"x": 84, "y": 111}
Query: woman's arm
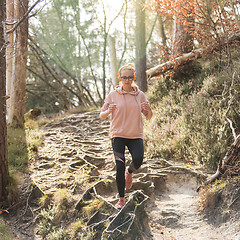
{"x": 104, "y": 114}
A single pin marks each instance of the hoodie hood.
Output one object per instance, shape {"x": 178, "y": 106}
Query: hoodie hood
{"x": 135, "y": 91}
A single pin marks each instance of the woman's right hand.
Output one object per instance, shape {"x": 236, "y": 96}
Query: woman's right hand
{"x": 112, "y": 107}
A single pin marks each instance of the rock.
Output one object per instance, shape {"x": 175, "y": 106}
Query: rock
{"x": 33, "y": 113}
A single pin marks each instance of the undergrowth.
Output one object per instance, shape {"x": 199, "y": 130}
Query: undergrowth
{"x": 23, "y": 143}
{"x": 190, "y": 117}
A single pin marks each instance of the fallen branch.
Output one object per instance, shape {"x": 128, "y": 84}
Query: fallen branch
{"x": 193, "y": 55}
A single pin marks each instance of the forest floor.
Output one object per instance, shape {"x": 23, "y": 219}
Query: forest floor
{"x": 76, "y": 157}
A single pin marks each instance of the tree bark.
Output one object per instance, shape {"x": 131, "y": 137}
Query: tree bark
{"x": 183, "y": 42}
{"x": 166, "y": 53}
{"x": 18, "y": 86}
{"x": 3, "y": 125}
{"x": 141, "y": 65}
{"x": 113, "y": 60}
{"x": 9, "y": 50}
{"x": 182, "y": 38}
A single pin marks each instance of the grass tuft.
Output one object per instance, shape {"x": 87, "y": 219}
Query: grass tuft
{"x": 5, "y": 233}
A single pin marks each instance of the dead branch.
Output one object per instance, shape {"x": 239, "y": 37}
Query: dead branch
{"x": 232, "y": 128}
{"x": 229, "y": 165}
{"x": 193, "y": 55}
{"x": 229, "y": 106}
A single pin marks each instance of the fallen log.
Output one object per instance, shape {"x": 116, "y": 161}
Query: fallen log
{"x": 193, "y": 55}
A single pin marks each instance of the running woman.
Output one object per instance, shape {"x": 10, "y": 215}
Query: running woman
{"x": 126, "y": 104}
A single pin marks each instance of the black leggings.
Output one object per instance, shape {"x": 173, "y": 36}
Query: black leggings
{"x": 136, "y": 149}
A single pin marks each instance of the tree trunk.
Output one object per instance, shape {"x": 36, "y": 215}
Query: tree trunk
{"x": 141, "y": 77}
{"x": 182, "y": 38}
{"x": 113, "y": 60}
{"x": 3, "y": 125}
{"x": 166, "y": 53}
{"x": 9, "y": 50}
{"x": 183, "y": 43}
{"x": 105, "y": 36}
{"x": 18, "y": 86}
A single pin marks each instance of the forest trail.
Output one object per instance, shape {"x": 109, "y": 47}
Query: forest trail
{"x": 162, "y": 204}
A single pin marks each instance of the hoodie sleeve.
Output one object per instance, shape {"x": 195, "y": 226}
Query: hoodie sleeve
{"x": 143, "y": 97}
{"x": 106, "y": 104}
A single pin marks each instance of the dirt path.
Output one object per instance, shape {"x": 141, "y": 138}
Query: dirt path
{"x": 174, "y": 212}
{"x": 72, "y": 144}
{"x": 76, "y": 155}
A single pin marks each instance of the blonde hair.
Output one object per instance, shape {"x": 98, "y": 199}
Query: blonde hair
{"x": 130, "y": 67}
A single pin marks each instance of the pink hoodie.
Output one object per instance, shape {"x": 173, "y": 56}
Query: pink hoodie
{"x": 126, "y": 120}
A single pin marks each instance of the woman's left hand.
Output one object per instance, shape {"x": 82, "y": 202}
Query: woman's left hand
{"x": 146, "y": 110}
{"x": 145, "y": 106}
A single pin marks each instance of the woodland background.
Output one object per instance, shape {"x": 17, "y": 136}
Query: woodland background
{"x": 62, "y": 57}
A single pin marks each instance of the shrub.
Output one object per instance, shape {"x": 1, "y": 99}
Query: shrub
{"x": 190, "y": 121}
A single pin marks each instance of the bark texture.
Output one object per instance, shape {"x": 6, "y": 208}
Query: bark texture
{"x": 9, "y": 50}
{"x": 3, "y": 127}
{"x": 18, "y": 84}
{"x": 183, "y": 37}
{"x": 183, "y": 43}
{"x": 141, "y": 77}
{"x": 113, "y": 60}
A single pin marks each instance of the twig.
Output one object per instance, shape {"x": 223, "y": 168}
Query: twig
{"x": 23, "y": 17}
{"x": 229, "y": 106}
{"x": 232, "y": 128}
{"x": 233, "y": 201}
{"x": 27, "y": 205}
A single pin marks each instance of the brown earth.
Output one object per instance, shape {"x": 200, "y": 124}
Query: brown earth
{"x": 76, "y": 156}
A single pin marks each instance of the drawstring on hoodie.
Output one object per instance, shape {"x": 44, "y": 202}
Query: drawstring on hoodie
{"x": 134, "y": 93}
{"x": 139, "y": 107}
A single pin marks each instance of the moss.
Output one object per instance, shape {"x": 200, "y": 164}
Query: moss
{"x": 17, "y": 148}
{"x": 89, "y": 209}
{"x": 14, "y": 180}
{"x": 22, "y": 144}
{"x": 105, "y": 209}
{"x": 61, "y": 197}
{"x": 75, "y": 227}
{"x": 43, "y": 200}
